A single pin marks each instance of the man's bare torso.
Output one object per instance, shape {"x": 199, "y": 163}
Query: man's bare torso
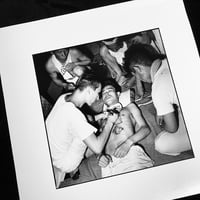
{"x": 123, "y": 128}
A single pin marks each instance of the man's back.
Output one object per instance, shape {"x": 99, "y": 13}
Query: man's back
{"x": 66, "y": 129}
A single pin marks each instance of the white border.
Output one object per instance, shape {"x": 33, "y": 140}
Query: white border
{"x": 26, "y": 126}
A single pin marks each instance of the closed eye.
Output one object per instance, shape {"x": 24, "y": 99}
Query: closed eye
{"x": 137, "y": 68}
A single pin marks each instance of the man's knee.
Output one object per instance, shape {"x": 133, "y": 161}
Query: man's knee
{"x": 161, "y": 145}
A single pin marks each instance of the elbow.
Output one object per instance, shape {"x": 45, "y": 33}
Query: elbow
{"x": 98, "y": 150}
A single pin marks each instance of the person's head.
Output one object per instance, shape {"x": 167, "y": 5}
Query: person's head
{"x": 114, "y": 44}
{"x": 61, "y": 54}
{"x": 78, "y": 71}
{"x": 90, "y": 85}
{"x": 139, "y": 58}
{"x": 110, "y": 92}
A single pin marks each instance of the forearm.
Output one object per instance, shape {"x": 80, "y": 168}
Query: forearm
{"x": 168, "y": 122}
{"x": 140, "y": 134}
{"x": 99, "y": 116}
{"x": 88, "y": 153}
{"x": 112, "y": 63}
{"x": 59, "y": 82}
{"x": 103, "y": 137}
{"x": 115, "y": 67}
{"x": 82, "y": 62}
{"x": 139, "y": 87}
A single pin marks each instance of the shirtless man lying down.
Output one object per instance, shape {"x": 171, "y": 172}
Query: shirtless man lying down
{"x": 121, "y": 153}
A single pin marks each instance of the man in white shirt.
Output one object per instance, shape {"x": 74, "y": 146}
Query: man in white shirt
{"x": 65, "y": 66}
{"x": 68, "y": 131}
{"x": 152, "y": 67}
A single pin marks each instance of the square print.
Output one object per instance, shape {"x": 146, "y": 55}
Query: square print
{"x": 149, "y": 130}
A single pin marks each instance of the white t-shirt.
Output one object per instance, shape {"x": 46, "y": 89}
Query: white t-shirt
{"x": 163, "y": 91}
{"x": 119, "y": 55}
{"x": 67, "y": 127}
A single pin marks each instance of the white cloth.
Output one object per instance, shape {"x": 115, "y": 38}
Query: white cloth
{"x": 164, "y": 97}
{"x": 119, "y": 55}
{"x": 62, "y": 68}
{"x": 136, "y": 159}
{"x": 67, "y": 127}
{"x": 125, "y": 98}
{"x": 157, "y": 44}
{"x": 163, "y": 91}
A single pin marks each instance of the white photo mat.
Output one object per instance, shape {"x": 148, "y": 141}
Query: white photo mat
{"x": 25, "y": 118}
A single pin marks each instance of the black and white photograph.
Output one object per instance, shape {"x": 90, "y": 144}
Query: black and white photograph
{"x": 110, "y": 107}
{"x": 101, "y": 102}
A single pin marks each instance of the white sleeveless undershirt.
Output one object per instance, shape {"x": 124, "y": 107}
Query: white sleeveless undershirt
{"x": 62, "y": 68}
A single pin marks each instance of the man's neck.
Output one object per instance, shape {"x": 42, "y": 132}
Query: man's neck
{"x": 76, "y": 98}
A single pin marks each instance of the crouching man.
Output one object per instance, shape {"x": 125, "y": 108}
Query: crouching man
{"x": 69, "y": 133}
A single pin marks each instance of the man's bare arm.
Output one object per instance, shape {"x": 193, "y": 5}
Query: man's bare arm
{"x": 96, "y": 144}
{"x": 141, "y": 128}
{"x": 169, "y": 122}
{"x": 111, "y": 61}
{"x": 80, "y": 59}
{"x": 50, "y": 68}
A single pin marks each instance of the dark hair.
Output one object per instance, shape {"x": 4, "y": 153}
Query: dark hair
{"x": 141, "y": 54}
{"x": 109, "y": 39}
{"x": 88, "y": 79}
{"x": 111, "y": 82}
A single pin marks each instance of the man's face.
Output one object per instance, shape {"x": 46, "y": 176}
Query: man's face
{"x": 61, "y": 54}
{"x": 142, "y": 72}
{"x": 93, "y": 95}
{"x": 109, "y": 95}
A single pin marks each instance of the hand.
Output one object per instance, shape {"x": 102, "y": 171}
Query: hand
{"x": 69, "y": 87}
{"x": 70, "y": 66}
{"x": 105, "y": 115}
{"x": 103, "y": 161}
{"x": 160, "y": 120}
{"x": 122, "y": 150}
{"x": 112, "y": 117}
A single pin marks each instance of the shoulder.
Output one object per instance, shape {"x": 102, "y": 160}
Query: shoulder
{"x": 74, "y": 51}
{"x": 132, "y": 108}
{"x": 50, "y": 67}
{"x": 103, "y": 50}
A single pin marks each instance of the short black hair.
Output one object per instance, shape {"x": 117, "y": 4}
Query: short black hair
{"x": 89, "y": 79}
{"x": 112, "y": 82}
{"x": 141, "y": 54}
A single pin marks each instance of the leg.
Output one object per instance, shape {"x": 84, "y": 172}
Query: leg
{"x": 173, "y": 143}
{"x": 89, "y": 171}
